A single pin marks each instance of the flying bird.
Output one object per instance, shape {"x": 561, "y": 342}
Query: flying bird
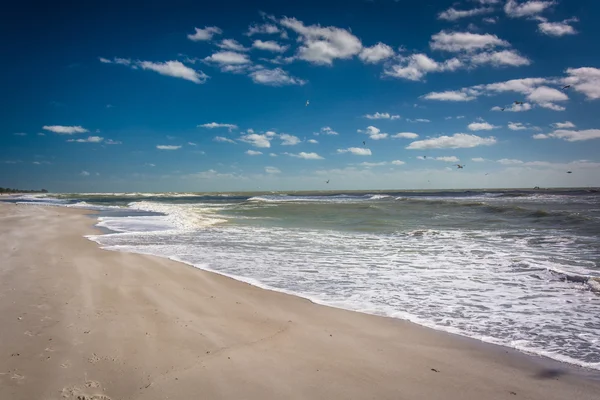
{"x": 327, "y": 181}
{"x": 424, "y": 157}
{"x": 518, "y": 102}
{"x": 566, "y": 87}
{"x": 569, "y": 172}
{"x": 460, "y": 166}
{"x": 307, "y": 103}
{"x": 502, "y": 109}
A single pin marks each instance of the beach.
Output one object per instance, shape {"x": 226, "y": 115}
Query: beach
{"x": 79, "y": 322}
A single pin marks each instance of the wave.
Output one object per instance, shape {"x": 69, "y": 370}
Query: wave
{"x": 592, "y": 282}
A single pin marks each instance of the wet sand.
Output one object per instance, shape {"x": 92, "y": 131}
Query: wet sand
{"x": 79, "y": 322}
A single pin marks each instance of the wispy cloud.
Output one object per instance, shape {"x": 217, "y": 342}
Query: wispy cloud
{"x": 65, "y": 130}
{"x": 527, "y": 9}
{"x": 405, "y": 135}
{"x": 358, "y": 151}
{"x": 384, "y": 115}
{"x": 456, "y": 141}
{"x": 20, "y": 134}
{"x": 306, "y": 156}
{"x": 269, "y": 45}
{"x": 272, "y": 170}
{"x": 167, "y": 147}
{"x": 289, "y": 140}
{"x": 253, "y": 152}
{"x": 214, "y": 125}
{"x": 453, "y": 14}
{"x": 175, "y": 69}
{"x": 257, "y": 140}
{"x": 275, "y": 77}
{"x": 481, "y": 126}
{"x": 223, "y": 139}
{"x": 204, "y": 34}
{"x": 89, "y": 139}
{"x": 326, "y": 130}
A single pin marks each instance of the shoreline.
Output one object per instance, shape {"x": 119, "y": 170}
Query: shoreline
{"x": 145, "y": 313}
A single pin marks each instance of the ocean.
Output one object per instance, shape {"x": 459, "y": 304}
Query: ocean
{"x": 519, "y": 268}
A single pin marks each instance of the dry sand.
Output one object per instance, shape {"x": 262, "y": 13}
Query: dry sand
{"x": 78, "y": 322}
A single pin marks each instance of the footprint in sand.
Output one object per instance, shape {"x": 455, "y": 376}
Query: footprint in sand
{"x": 65, "y": 364}
{"x": 17, "y": 377}
{"x": 92, "y": 384}
{"x": 93, "y": 359}
{"x": 28, "y": 333}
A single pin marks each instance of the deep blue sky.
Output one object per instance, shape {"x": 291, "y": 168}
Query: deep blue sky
{"x": 433, "y": 63}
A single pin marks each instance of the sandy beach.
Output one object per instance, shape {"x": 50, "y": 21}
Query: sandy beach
{"x": 79, "y": 322}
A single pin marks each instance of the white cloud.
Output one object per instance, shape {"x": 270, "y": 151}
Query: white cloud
{"x": 557, "y": 29}
{"x": 41, "y": 134}
{"x": 90, "y": 139}
{"x": 526, "y": 9}
{"x": 84, "y": 173}
{"x": 104, "y": 60}
{"x": 540, "y": 136}
{"x": 500, "y": 58}
{"x": 267, "y": 29}
{"x": 373, "y": 164}
{"x": 456, "y": 141}
{"x": 269, "y": 45}
{"x": 509, "y": 161}
{"x": 563, "y": 125}
{"x": 273, "y": 154}
{"x": 192, "y": 144}
{"x": 175, "y": 69}
{"x": 398, "y": 162}
{"x": 306, "y": 156}
{"x": 481, "y": 126}
{"x": 478, "y": 159}
{"x": 322, "y": 45}
{"x": 275, "y": 77}
{"x": 288, "y": 140}
{"x": 405, "y": 135}
{"x": 253, "y": 153}
{"x": 272, "y": 170}
{"x": 585, "y": 80}
{"x": 374, "y": 133}
{"x": 228, "y": 58}
{"x": 257, "y": 140}
{"x": 313, "y": 141}
{"x": 453, "y": 14}
{"x": 204, "y": 34}
{"x": 487, "y": 1}
{"x": 358, "y": 151}
{"x": 418, "y": 120}
{"x": 516, "y": 126}
{"x": 223, "y": 139}
{"x": 326, "y": 131}
{"x": 379, "y": 115}
{"x": 376, "y": 53}
{"x": 490, "y": 20}
{"x": 449, "y": 95}
{"x": 65, "y": 130}
{"x": 514, "y": 108}
{"x": 167, "y": 147}
{"x": 465, "y": 41}
{"x": 575, "y": 136}
{"x": 213, "y": 125}
{"x": 20, "y": 134}
{"x": 447, "y": 159}
{"x": 232, "y": 44}
{"x": 416, "y": 66}
{"x": 544, "y": 94}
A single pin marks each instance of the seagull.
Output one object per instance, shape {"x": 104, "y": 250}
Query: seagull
{"x": 327, "y": 181}
{"x": 566, "y": 87}
{"x": 502, "y": 109}
{"x": 518, "y": 102}
{"x": 487, "y": 174}
{"x": 569, "y": 172}
{"x": 307, "y": 103}
{"x": 424, "y": 157}
{"x": 460, "y": 166}
{"x": 364, "y": 143}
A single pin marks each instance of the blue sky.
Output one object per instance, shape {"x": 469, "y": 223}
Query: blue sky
{"x": 272, "y": 95}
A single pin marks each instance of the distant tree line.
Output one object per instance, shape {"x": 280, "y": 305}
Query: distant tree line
{"x": 9, "y": 190}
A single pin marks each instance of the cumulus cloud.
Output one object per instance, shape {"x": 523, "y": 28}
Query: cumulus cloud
{"x": 313, "y": 141}
{"x": 204, "y": 34}
{"x": 540, "y": 136}
{"x": 257, "y": 140}
{"x": 223, "y": 139}
{"x": 481, "y": 126}
{"x": 275, "y": 77}
{"x": 465, "y": 41}
{"x": 513, "y": 108}
{"x": 253, "y": 152}
{"x": 269, "y": 45}
{"x": 414, "y": 67}
{"x": 213, "y": 125}
{"x": 405, "y": 135}
{"x": 306, "y": 156}
{"x": 266, "y": 29}
{"x": 418, "y": 120}
{"x": 398, "y": 162}
{"x": 273, "y": 154}
{"x": 456, "y": 141}
{"x": 500, "y": 58}
{"x": 557, "y": 29}
{"x": 326, "y": 130}
{"x": 447, "y": 159}
{"x": 89, "y": 139}
{"x": 516, "y": 126}
{"x": 509, "y": 161}
{"x": 374, "y": 133}
{"x": 84, "y": 173}
{"x": 379, "y": 115}
{"x": 449, "y": 95}
{"x": 232, "y": 44}
{"x": 65, "y": 130}
{"x": 175, "y": 69}
{"x": 288, "y": 140}
{"x": 585, "y": 80}
{"x": 272, "y": 170}
{"x": 376, "y": 53}
{"x": 323, "y": 45}
{"x": 228, "y": 58}
{"x": 167, "y": 147}
{"x": 574, "y": 136}
{"x": 478, "y": 159}
{"x": 453, "y": 14}
{"x": 563, "y": 125}
{"x": 527, "y": 9}
{"x": 358, "y": 151}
